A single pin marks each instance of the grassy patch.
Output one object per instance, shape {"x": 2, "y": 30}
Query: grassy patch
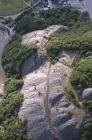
{"x": 8, "y": 7}
{"x": 72, "y": 39}
{"x": 81, "y": 76}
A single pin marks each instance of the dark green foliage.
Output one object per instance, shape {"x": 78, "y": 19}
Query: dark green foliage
{"x": 10, "y": 105}
{"x": 72, "y": 40}
{"x": 15, "y": 131}
{"x": 81, "y": 77}
{"x": 78, "y": 39}
{"x": 87, "y": 132}
{"x": 29, "y": 24}
{"x": 30, "y": 21}
{"x": 52, "y": 50}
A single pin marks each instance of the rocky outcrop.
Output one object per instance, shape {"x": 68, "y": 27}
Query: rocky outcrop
{"x": 4, "y": 28}
{"x": 4, "y": 37}
{"x": 87, "y": 94}
{"x": 41, "y": 36}
{"x": 49, "y": 114}
{"x": 68, "y": 124}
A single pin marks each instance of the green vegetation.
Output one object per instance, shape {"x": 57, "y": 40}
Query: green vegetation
{"x": 78, "y": 37}
{"x": 34, "y": 21}
{"x": 69, "y": 92}
{"x": 71, "y": 40}
{"x": 88, "y": 106}
{"x": 12, "y": 84}
{"x": 1, "y": 20}
{"x": 11, "y": 127}
{"x": 81, "y": 76}
{"x": 80, "y": 79}
{"x": 87, "y": 132}
{"x": 8, "y": 7}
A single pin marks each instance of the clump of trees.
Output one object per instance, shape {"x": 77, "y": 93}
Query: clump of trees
{"x": 75, "y": 39}
{"x": 30, "y": 21}
{"x": 81, "y": 76}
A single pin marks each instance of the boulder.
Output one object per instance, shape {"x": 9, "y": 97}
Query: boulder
{"x": 87, "y": 94}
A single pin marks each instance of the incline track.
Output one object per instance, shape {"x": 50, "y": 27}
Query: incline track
{"x": 47, "y": 107}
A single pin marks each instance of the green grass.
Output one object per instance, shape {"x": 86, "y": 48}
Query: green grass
{"x": 8, "y": 7}
{"x": 81, "y": 76}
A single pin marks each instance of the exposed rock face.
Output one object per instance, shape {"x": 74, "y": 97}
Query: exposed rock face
{"x": 45, "y": 105}
{"x": 87, "y": 94}
{"x": 33, "y": 110}
{"x": 41, "y": 36}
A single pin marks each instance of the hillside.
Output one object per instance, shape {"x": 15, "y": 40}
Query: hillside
{"x": 46, "y": 74}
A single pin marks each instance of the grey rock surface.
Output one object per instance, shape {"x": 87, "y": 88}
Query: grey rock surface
{"x": 87, "y": 94}
{"x": 65, "y": 118}
{"x": 32, "y": 110}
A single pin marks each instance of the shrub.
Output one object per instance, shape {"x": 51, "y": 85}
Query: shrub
{"x": 30, "y": 21}
{"x": 81, "y": 76}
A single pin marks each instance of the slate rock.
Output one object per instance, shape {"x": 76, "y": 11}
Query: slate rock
{"x": 87, "y": 94}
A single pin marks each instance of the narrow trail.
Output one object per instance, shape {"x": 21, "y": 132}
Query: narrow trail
{"x": 47, "y": 107}
{"x": 46, "y": 99}
{"x": 73, "y": 111}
